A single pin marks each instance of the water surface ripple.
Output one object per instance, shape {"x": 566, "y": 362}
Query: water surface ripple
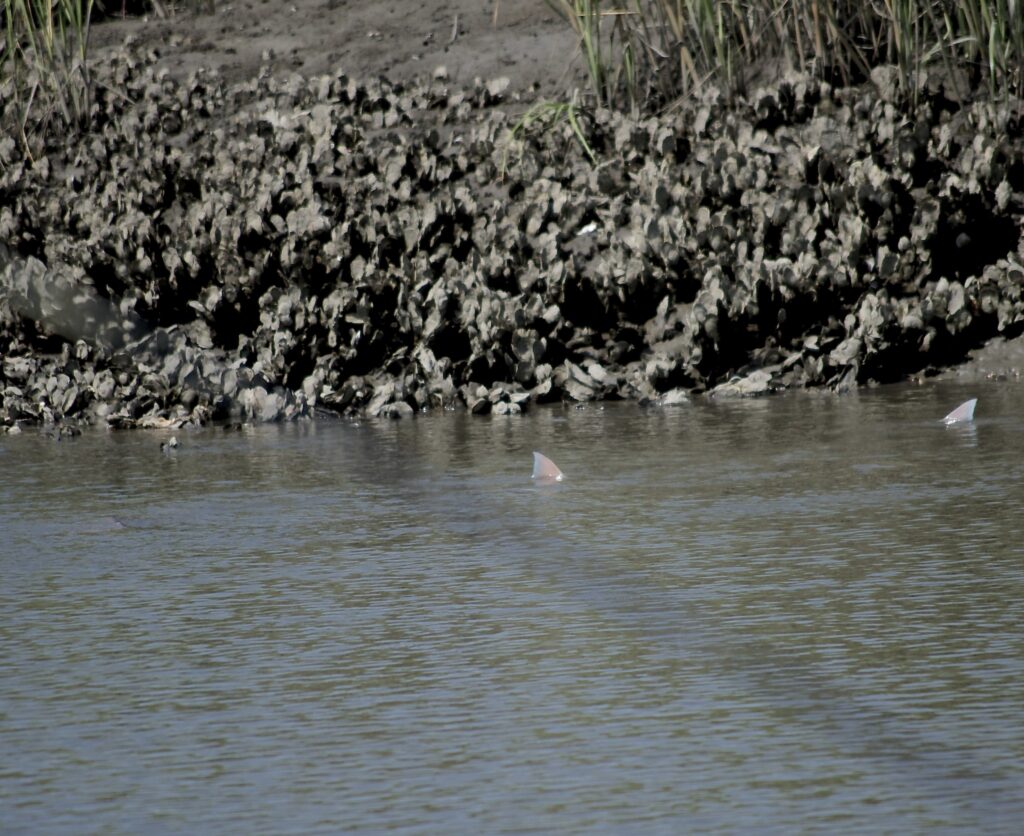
{"x": 801, "y": 613}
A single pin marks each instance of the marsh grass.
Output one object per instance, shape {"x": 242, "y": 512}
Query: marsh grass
{"x": 44, "y": 72}
{"x": 991, "y": 35}
{"x": 608, "y": 57}
{"x": 645, "y": 54}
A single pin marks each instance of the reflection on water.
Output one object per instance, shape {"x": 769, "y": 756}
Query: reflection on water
{"x": 801, "y": 612}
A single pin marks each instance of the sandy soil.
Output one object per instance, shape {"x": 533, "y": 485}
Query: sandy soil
{"x": 400, "y": 39}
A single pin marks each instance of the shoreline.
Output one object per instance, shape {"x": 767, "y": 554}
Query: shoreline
{"x": 265, "y": 248}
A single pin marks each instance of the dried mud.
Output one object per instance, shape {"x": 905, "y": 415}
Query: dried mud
{"x": 282, "y": 246}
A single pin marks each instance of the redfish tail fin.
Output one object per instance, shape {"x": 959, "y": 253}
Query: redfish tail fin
{"x": 964, "y": 412}
{"x": 545, "y": 470}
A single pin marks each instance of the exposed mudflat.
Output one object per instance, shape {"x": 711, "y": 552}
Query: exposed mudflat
{"x": 998, "y": 359}
{"x": 399, "y": 39}
{"x": 252, "y": 243}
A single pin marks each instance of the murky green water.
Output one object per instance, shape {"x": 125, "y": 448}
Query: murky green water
{"x": 803, "y": 613}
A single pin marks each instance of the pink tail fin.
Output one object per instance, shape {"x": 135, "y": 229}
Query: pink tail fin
{"x": 964, "y": 412}
{"x": 545, "y": 469}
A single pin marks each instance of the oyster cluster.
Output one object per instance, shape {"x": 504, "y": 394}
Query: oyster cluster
{"x": 270, "y": 249}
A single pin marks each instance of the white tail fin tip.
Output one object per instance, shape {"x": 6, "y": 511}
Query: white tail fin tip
{"x": 545, "y": 469}
{"x": 964, "y": 412}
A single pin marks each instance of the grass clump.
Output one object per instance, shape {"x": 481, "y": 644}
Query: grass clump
{"x": 44, "y": 73}
{"x": 542, "y": 117}
{"x": 645, "y": 54}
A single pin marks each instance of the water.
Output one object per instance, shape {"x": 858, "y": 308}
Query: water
{"x": 801, "y": 613}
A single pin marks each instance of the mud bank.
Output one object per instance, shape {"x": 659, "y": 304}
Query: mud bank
{"x": 285, "y": 245}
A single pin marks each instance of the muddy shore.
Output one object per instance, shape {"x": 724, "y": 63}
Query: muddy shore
{"x": 276, "y": 245}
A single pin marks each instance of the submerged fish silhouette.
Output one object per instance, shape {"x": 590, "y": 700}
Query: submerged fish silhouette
{"x": 964, "y": 412}
{"x": 544, "y": 469}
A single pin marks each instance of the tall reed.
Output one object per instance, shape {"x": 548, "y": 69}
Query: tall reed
{"x": 647, "y": 53}
{"x": 44, "y": 70}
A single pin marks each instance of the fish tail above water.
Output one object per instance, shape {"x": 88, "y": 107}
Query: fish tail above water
{"x": 964, "y": 412}
{"x": 544, "y": 469}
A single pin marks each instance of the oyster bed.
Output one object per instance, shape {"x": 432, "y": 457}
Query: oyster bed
{"x": 285, "y": 246}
